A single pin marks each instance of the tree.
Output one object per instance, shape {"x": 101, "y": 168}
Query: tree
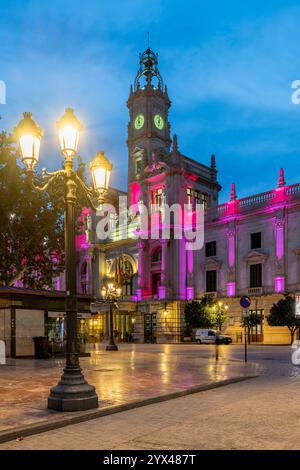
{"x": 283, "y": 314}
{"x": 218, "y": 315}
{"x": 196, "y": 315}
{"x": 32, "y": 228}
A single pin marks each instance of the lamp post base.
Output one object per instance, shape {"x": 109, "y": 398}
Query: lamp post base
{"x": 112, "y": 347}
{"x": 72, "y": 393}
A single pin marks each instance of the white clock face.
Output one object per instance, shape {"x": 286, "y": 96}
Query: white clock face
{"x": 139, "y": 121}
{"x": 159, "y": 122}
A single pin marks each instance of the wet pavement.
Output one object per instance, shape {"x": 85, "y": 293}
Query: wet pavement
{"x": 133, "y": 373}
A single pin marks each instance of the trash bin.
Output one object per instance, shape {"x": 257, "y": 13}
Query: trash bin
{"x": 41, "y": 347}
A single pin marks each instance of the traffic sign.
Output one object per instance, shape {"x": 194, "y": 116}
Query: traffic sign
{"x": 245, "y": 301}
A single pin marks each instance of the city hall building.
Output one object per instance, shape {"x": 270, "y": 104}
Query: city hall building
{"x": 251, "y": 245}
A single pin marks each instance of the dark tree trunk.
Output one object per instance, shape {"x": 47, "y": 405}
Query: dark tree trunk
{"x": 292, "y": 332}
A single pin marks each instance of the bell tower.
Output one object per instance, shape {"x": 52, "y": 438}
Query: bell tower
{"x": 148, "y": 127}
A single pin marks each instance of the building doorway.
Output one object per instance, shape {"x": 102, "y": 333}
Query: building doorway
{"x": 150, "y": 328}
{"x": 257, "y": 331}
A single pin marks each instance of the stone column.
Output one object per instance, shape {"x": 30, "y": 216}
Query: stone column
{"x": 95, "y": 274}
{"x": 89, "y": 272}
{"x": 190, "y": 275}
{"x": 279, "y": 279}
{"x": 141, "y": 246}
{"x": 101, "y": 268}
{"x": 164, "y": 279}
{"x": 231, "y": 260}
{"x": 102, "y": 273}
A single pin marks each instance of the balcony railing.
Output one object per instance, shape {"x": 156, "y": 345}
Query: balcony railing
{"x": 255, "y": 291}
{"x": 268, "y": 198}
{"x": 212, "y": 295}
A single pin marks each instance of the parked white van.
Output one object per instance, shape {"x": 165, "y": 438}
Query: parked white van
{"x": 209, "y": 336}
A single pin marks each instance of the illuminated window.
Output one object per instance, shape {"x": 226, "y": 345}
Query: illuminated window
{"x": 194, "y": 197}
{"x": 127, "y": 287}
{"x": 157, "y": 197}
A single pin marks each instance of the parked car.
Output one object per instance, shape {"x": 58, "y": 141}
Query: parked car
{"x": 223, "y": 339}
{"x": 209, "y": 336}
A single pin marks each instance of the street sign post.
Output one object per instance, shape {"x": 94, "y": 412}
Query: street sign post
{"x": 245, "y": 303}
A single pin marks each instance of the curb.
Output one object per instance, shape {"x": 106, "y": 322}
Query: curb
{"x": 37, "y": 428}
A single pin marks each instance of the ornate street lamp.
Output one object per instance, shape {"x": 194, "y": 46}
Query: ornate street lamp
{"x": 101, "y": 169}
{"x": 72, "y": 393}
{"x": 29, "y": 135}
{"x": 69, "y": 128}
{"x": 111, "y": 294}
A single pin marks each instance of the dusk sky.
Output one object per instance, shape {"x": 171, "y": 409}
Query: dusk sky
{"x": 228, "y": 66}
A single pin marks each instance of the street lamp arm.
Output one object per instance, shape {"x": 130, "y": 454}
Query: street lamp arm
{"x": 90, "y": 194}
{"x": 49, "y": 177}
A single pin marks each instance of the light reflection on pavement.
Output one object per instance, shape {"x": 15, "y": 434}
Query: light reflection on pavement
{"x": 133, "y": 373}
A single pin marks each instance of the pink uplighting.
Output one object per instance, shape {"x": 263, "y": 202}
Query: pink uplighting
{"x": 135, "y": 193}
{"x": 189, "y": 293}
{"x": 190, "y": 256}
{"x": 139, "y": 295}
{"x": 279, "y": 283}
{"x": 279, "y": 242}
{"x": 161, "y": 292}
{"x": 80, "y": 241}
{"x": 231, "y": 251}
{"x": 230, "y": 289}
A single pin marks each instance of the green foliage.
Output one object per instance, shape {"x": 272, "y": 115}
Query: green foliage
{"x": 252, "y": 320}
{"x": 218, "y": 315}
{"x": 283, "y": 314}
{"x": 196, "y": 315}
{"x": 204, "y": 314}
{"x": 32, "y": 228}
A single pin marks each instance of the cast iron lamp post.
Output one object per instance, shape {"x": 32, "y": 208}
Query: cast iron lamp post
{"x": 72, "y": 393}
{"x": 110, "y": 294}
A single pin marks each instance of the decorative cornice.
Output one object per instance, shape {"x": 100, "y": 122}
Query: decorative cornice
{"x": 212, "y": 263}
{"x": 255, "y": 256}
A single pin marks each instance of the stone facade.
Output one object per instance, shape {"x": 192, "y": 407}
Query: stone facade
{"x": 250, "y": 247}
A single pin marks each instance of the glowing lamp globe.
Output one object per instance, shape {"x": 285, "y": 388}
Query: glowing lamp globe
{"x": 29, "y": 136}
{"x": 69, "y": 128}
{"x": 100, "y": 169}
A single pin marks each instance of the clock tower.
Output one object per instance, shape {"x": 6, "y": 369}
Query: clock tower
{"x": 149, "y": 127}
